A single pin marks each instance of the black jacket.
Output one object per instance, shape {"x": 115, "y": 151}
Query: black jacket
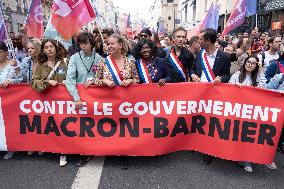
{"x": 221, "y": 66}
{"x": 186, "y": 58}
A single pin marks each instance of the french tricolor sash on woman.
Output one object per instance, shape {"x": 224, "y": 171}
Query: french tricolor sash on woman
{"x": 210, "y": 76}
{"x": 177, "y": 65}
{"x": 143, "y": 71}
{"x": 115, "y": 73}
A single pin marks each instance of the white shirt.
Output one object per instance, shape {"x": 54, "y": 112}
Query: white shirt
{"x": 235, "y": 79}
{"x": 211, "y": 60}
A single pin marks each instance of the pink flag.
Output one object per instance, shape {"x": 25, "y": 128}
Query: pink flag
{"x": 34, "y": 21}
{"x": 68, "y": 16}
{"x": 237, "y": 17}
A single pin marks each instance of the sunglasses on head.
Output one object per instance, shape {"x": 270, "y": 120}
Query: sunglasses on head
{"x": 144, "y": 35}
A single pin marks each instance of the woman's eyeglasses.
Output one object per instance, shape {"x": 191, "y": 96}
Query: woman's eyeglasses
{"x": 251, "y": 63}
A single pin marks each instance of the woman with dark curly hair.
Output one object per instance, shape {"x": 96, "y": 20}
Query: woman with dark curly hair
{"x": 151, "y": 69}
{"x": 51, "y": 69}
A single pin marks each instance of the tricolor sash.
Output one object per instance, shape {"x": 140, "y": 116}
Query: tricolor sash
{"x": 143, "y": 71}
{"x": 176, "y": 64}
{"x": 115, "y": 73}
{"x": 210, "y": 76}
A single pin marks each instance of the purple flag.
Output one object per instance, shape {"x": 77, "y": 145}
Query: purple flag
{"x": 3, "y": 36}
{"x": 128, "y": 21}
{"x": 212, "y": 17}
{"x": 208, "y": 17}
{"x": 237, "y": 17}
{"x": 251, "y": 7}
{"x": 216, "y": 18}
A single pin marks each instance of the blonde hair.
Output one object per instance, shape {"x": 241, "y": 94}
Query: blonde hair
{"x": 36, "y": 43}
{"x": 122, "y": 41}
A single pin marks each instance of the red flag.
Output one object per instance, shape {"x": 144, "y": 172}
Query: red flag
{"x": 34, "y": 23}
{"x": 128, "y": 27}
{"x": 68, "y": 16}
{"x": 130, "y": 33}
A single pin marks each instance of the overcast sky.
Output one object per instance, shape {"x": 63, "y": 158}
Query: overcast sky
{"x": 134, "y": 6}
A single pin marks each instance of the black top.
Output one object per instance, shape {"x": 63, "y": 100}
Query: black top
{"x": 186, "y": 58}
{"x": 73, "y": 49}
{"x": 100, "y": 51}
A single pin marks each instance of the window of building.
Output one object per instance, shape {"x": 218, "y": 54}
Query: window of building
{"x": 170, "y": 1}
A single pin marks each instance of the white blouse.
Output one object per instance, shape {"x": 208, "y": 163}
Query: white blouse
{"x": 260, "y": 80}
{"x": 235, "y": 79}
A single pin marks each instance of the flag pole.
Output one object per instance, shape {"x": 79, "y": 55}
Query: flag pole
{"x": 100, "y": 33}
{"x": 27, "y": 16}
{"x": 256, "y": 20}
{"x": 8, "y": 41}
{"x": 226, "y": 12}
{"x": 97, "y": 21}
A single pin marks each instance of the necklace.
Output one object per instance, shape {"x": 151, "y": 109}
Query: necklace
{"x": 88, "y": 69}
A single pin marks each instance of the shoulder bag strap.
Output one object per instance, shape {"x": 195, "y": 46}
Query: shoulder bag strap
{"x": 53, "y": 70}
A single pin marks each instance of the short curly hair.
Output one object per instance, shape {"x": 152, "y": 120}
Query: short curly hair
{"x": 84, "y": 37}
{"x": 138, "y": 47}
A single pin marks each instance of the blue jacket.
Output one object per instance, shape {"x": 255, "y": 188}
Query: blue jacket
{"x": 163, "y": 71}
{"x": 273, "y": 69}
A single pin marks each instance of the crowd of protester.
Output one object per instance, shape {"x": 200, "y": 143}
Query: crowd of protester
{"x": 255, "y": 59}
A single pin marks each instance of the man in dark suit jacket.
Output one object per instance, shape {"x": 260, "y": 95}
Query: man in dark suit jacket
{"x": 219, "y": 61}
{"x": 185, "y": 57}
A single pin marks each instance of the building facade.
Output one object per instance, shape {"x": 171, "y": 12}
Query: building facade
{"x": 15, "y": 12}
{"x": 107, "y": 12}
{"x": 193, "y": 11}
{"x": 269, "y": 12}
{"x": 165, "y": 15}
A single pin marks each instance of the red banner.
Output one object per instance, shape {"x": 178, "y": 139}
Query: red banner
{"x": 241, "y": 124}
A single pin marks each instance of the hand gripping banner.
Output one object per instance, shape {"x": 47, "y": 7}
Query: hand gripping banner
{"x": 240, "y": 124}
